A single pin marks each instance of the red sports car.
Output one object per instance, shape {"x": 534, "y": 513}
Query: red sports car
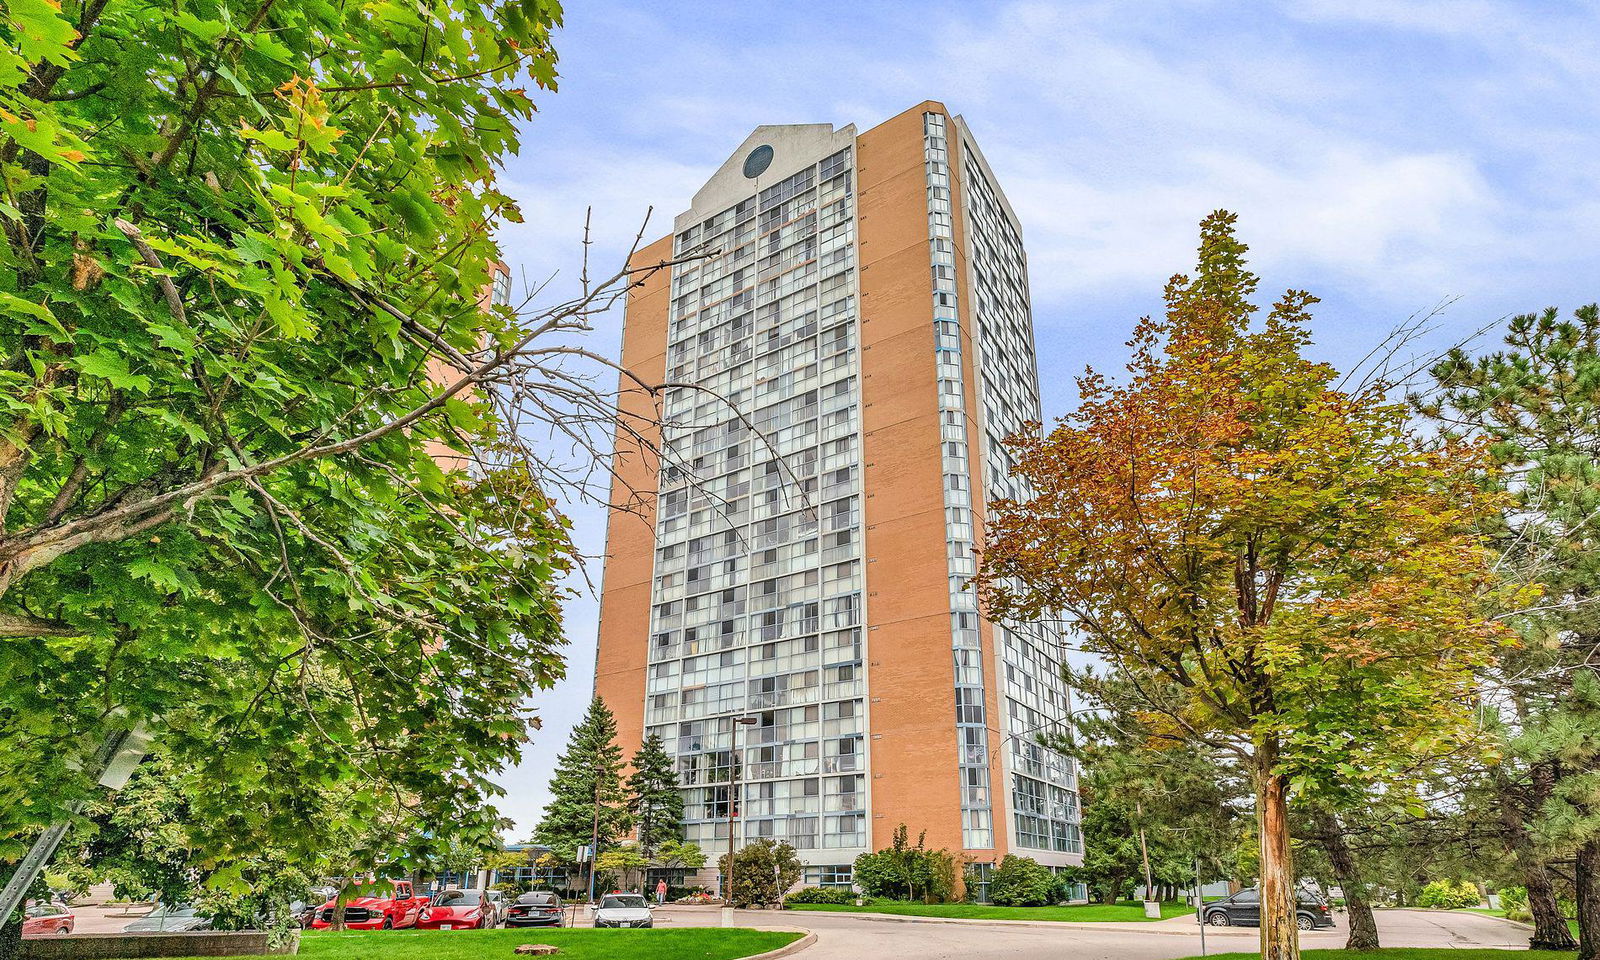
{"x": 456, "y": 910}
{"x": 385, "y": 906}
{"x": 47, "y": 919}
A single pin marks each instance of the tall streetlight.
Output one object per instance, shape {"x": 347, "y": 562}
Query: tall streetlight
{"x": 733, "y": 819}
{"x": 594, "y": 842}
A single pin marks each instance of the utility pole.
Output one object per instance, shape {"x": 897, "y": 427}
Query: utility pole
{"x": 1199, "y": 905}
{"x": 594, "y": 841}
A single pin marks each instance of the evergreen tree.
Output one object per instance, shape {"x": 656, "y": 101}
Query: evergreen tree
{"x": 653, "y": 796}
{"x": 586, "y": 788}
{"x": 1188, "y": 801}
{"x": 1537, "y": 403}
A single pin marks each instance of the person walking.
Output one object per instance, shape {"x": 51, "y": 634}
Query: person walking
{"x": 661, "y": 891}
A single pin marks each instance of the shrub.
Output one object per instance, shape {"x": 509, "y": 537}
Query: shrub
{"x": 906, "y": 872}
{"x": 1021, "y": 882}
{"x": 763, "y": 871}
{"x": 1514, "y": 901}
{"x": 876, "y": 875}
{"x": 1062, "y": 887}
{"x": 820, "y": 895}
{"x": 1448, "y": 895}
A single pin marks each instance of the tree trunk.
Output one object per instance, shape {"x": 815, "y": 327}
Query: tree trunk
{"x": 1280, "y": 938}
{"x": 1113, "y": 888}
{"x": 1587, "y": 892}
{"x": 1363, "y": 928}
{"x": 1144, "y": 854}
{"x": 1550, "y": 931}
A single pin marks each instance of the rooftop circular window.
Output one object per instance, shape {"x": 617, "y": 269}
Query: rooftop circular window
{"x": 758, "y": 161}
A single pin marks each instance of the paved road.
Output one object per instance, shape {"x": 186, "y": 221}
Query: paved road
{"x": 843, "y": 936}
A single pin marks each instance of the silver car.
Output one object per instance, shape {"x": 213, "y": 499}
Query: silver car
{"x": 496, "y": 899}
{"x": 623, "y": 910}
{"x": 172, "y": 917}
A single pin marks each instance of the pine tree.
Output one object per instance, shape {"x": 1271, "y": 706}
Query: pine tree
{"x": 1538, "y": 404}
{"x": 653, "y": 796}
{"x": 586, "y": 788}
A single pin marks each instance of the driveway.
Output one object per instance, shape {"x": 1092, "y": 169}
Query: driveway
{"x": 844, "y": 936}
{"x": 98, "y": 918}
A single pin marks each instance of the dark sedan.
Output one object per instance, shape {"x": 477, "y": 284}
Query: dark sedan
{"x": 539, "y": 908}
{"x": 1243, "y": 909}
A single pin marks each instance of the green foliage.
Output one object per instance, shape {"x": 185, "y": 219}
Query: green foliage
{"x": 762, "y": 872}
{"x": 1448, "y": 895}
{"x": 258, "y": 897}
{"x": 1514, "y": 901}
{"x": 877, "y": 876}
{"x": 1536, "y": 402}
{"x": 627, "y": 863}
{"x": 1125, "y": 912}
{"x": 903, "y": 871}
{"x": 143, "y": 842}
{"x": 1186, "y": 799}
{"x": 1021, "y": 882}
{"x": 678, "y": 854}
{"x": 654, "y": 799}
{"x": 220, "y": 509}
{"x": 140, "y": 843}
{"x": 587, "y": 782}
{"x": 819, "y": 895}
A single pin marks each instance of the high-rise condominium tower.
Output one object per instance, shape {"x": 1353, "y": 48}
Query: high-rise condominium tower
{"x": 851, "y": 356}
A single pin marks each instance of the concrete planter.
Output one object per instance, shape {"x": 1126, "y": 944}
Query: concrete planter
{"x": 206, "y": 943}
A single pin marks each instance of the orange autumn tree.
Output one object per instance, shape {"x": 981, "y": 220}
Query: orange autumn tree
{"x": 1273, "y": 566}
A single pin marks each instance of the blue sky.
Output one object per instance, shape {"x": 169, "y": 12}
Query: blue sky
{"x": 1387, "y": 155}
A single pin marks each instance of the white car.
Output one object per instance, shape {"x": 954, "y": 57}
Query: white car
{"x": 623, "y": 910}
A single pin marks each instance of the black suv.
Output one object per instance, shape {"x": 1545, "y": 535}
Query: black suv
{"x": 1243, "y": 909}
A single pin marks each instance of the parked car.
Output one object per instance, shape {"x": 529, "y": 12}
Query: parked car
{"x": 390, "y": 909}
{"x": 457, "y": 910}
{"x": 497, "y": 900}
{"x": 172, "y": 917}
{"x": 539, "y": 908}
{"x": 624, "y": 910}
{"x": 47, "y": 919}
{"x": 1243, "y": 909}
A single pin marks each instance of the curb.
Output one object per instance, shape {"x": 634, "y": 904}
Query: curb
{"x": 787, "y": 949}
{"x": 1489, "y": 916}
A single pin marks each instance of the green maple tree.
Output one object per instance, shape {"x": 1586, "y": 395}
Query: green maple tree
{"x": 262, "y": 487}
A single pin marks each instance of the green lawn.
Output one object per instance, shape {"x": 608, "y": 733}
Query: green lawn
{"x": 708, "y": 943}
{"x": 1086, "y": 913}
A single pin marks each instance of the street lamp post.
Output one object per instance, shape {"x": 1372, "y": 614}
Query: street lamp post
{"x": 594, "y": 841}
{"x": 733, "y": 818}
